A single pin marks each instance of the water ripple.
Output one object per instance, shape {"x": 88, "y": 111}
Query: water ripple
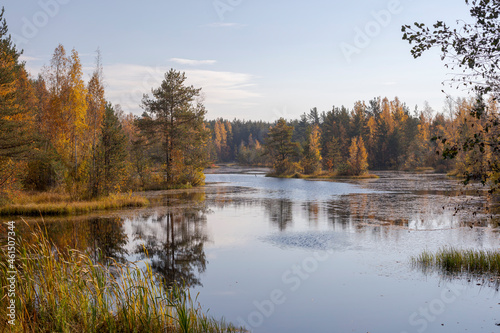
{"x": 316, "y": 241}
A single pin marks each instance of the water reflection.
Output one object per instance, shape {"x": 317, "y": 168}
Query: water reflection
{"x": 311, "y": 210}
{"x": 107, "y": 239}
{"x": 102, "y": 238}
{"x": 279, "y": 212}
{"x": 254, "y": 232}
{"x": 173, "y": 241}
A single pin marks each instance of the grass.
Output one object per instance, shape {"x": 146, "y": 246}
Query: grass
{"x": 59, "y": 204}
{"x": 65, "y": 291}
{"x": 456, "y": 261}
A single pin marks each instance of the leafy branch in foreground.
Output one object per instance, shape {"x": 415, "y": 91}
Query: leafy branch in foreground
{"x": 473, "y": 48}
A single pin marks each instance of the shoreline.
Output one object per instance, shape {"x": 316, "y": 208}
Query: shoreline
{"x": 58, "y": 205}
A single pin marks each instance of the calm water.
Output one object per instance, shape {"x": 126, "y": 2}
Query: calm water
{"x": 290, "y": 255}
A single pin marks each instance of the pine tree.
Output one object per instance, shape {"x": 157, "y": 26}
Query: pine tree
{"x": 111, "y": 153}
{"x": 279, "y": 146}
{"x": 179, "y": 119}
{"x": 15, "y": 138}
{"x": 17, "y": 99}
{"x": 332, "y": 158}
{"x": 96, "y": 105}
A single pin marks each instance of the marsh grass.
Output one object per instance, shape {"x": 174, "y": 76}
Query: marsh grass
{"x": 453, "y": 261}
{"x": 65, "y": 291}
{"x": 60, "y": 204}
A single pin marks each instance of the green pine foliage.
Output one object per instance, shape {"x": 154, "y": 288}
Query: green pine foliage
{"x": 280, "y": 148}
{"x": 111, "y": 154}
{"x": 178, "y": 119}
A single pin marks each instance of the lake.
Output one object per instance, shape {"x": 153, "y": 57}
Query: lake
{"x": 294, "y": 255}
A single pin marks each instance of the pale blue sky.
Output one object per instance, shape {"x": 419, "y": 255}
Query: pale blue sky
{"x": 254, "y": 59}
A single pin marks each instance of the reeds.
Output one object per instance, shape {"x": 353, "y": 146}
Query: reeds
{"x": 65, "y": 291}
{"x": 54, "y": 204}
{"x": 449, "y": 260}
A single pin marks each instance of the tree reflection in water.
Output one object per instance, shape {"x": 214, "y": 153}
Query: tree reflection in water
{"x": 174, "y": 243}
{"x": 280, "y": 212}
{"x": 107, "y": 239}
{"x": 102, "y": 238}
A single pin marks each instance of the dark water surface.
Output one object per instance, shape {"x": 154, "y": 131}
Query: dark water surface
{"x": 291, "y": 255}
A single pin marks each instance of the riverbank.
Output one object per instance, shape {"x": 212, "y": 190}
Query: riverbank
{"x": 48, "y": 203}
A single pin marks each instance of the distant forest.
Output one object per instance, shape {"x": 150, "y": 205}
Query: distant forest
{"x": 395, "y": 137}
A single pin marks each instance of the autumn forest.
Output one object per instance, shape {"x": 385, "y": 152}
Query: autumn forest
{"x": 59, "y": 133}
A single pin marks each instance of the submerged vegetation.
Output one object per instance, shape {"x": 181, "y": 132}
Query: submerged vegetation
{"x": 452, "y": 261}
{"x": 65, "y": 291}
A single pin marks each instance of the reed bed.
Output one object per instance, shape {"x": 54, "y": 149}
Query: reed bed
{"x": 457, "y": 261}
{"x": 54, "y": 204}
{"x": 65, "y": 291}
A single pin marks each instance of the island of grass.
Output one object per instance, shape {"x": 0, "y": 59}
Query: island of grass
{"x": 52, "y": 203}
{"x": 469, "y": 262}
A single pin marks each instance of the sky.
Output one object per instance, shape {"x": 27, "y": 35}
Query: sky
{"x": 253, "y": 59}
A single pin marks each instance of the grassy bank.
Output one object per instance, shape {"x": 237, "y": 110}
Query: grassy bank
{"x": 59, "y": 291}
{"x": 60, "y": 204}
{"x": 455, "y": 261}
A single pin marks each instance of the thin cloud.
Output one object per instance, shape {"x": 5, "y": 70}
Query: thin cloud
{"x": 126, "y": 84}
{"x": 28, "y": 58}
{"x": 191, "y": 62}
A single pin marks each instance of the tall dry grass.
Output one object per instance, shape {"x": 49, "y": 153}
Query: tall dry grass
{"x": 65, "y": 291}
{"x": 60, "y": 204}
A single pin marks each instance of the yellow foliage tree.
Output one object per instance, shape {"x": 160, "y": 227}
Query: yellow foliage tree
{"x": 68, "y": 111}
{"x": 312, "y": 159}
{"x": 358, "y": 158}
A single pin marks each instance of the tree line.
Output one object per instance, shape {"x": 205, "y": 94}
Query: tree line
{"x": 382, "y": 134}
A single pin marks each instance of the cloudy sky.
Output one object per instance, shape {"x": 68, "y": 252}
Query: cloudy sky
{"x": 254, "y": 59}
